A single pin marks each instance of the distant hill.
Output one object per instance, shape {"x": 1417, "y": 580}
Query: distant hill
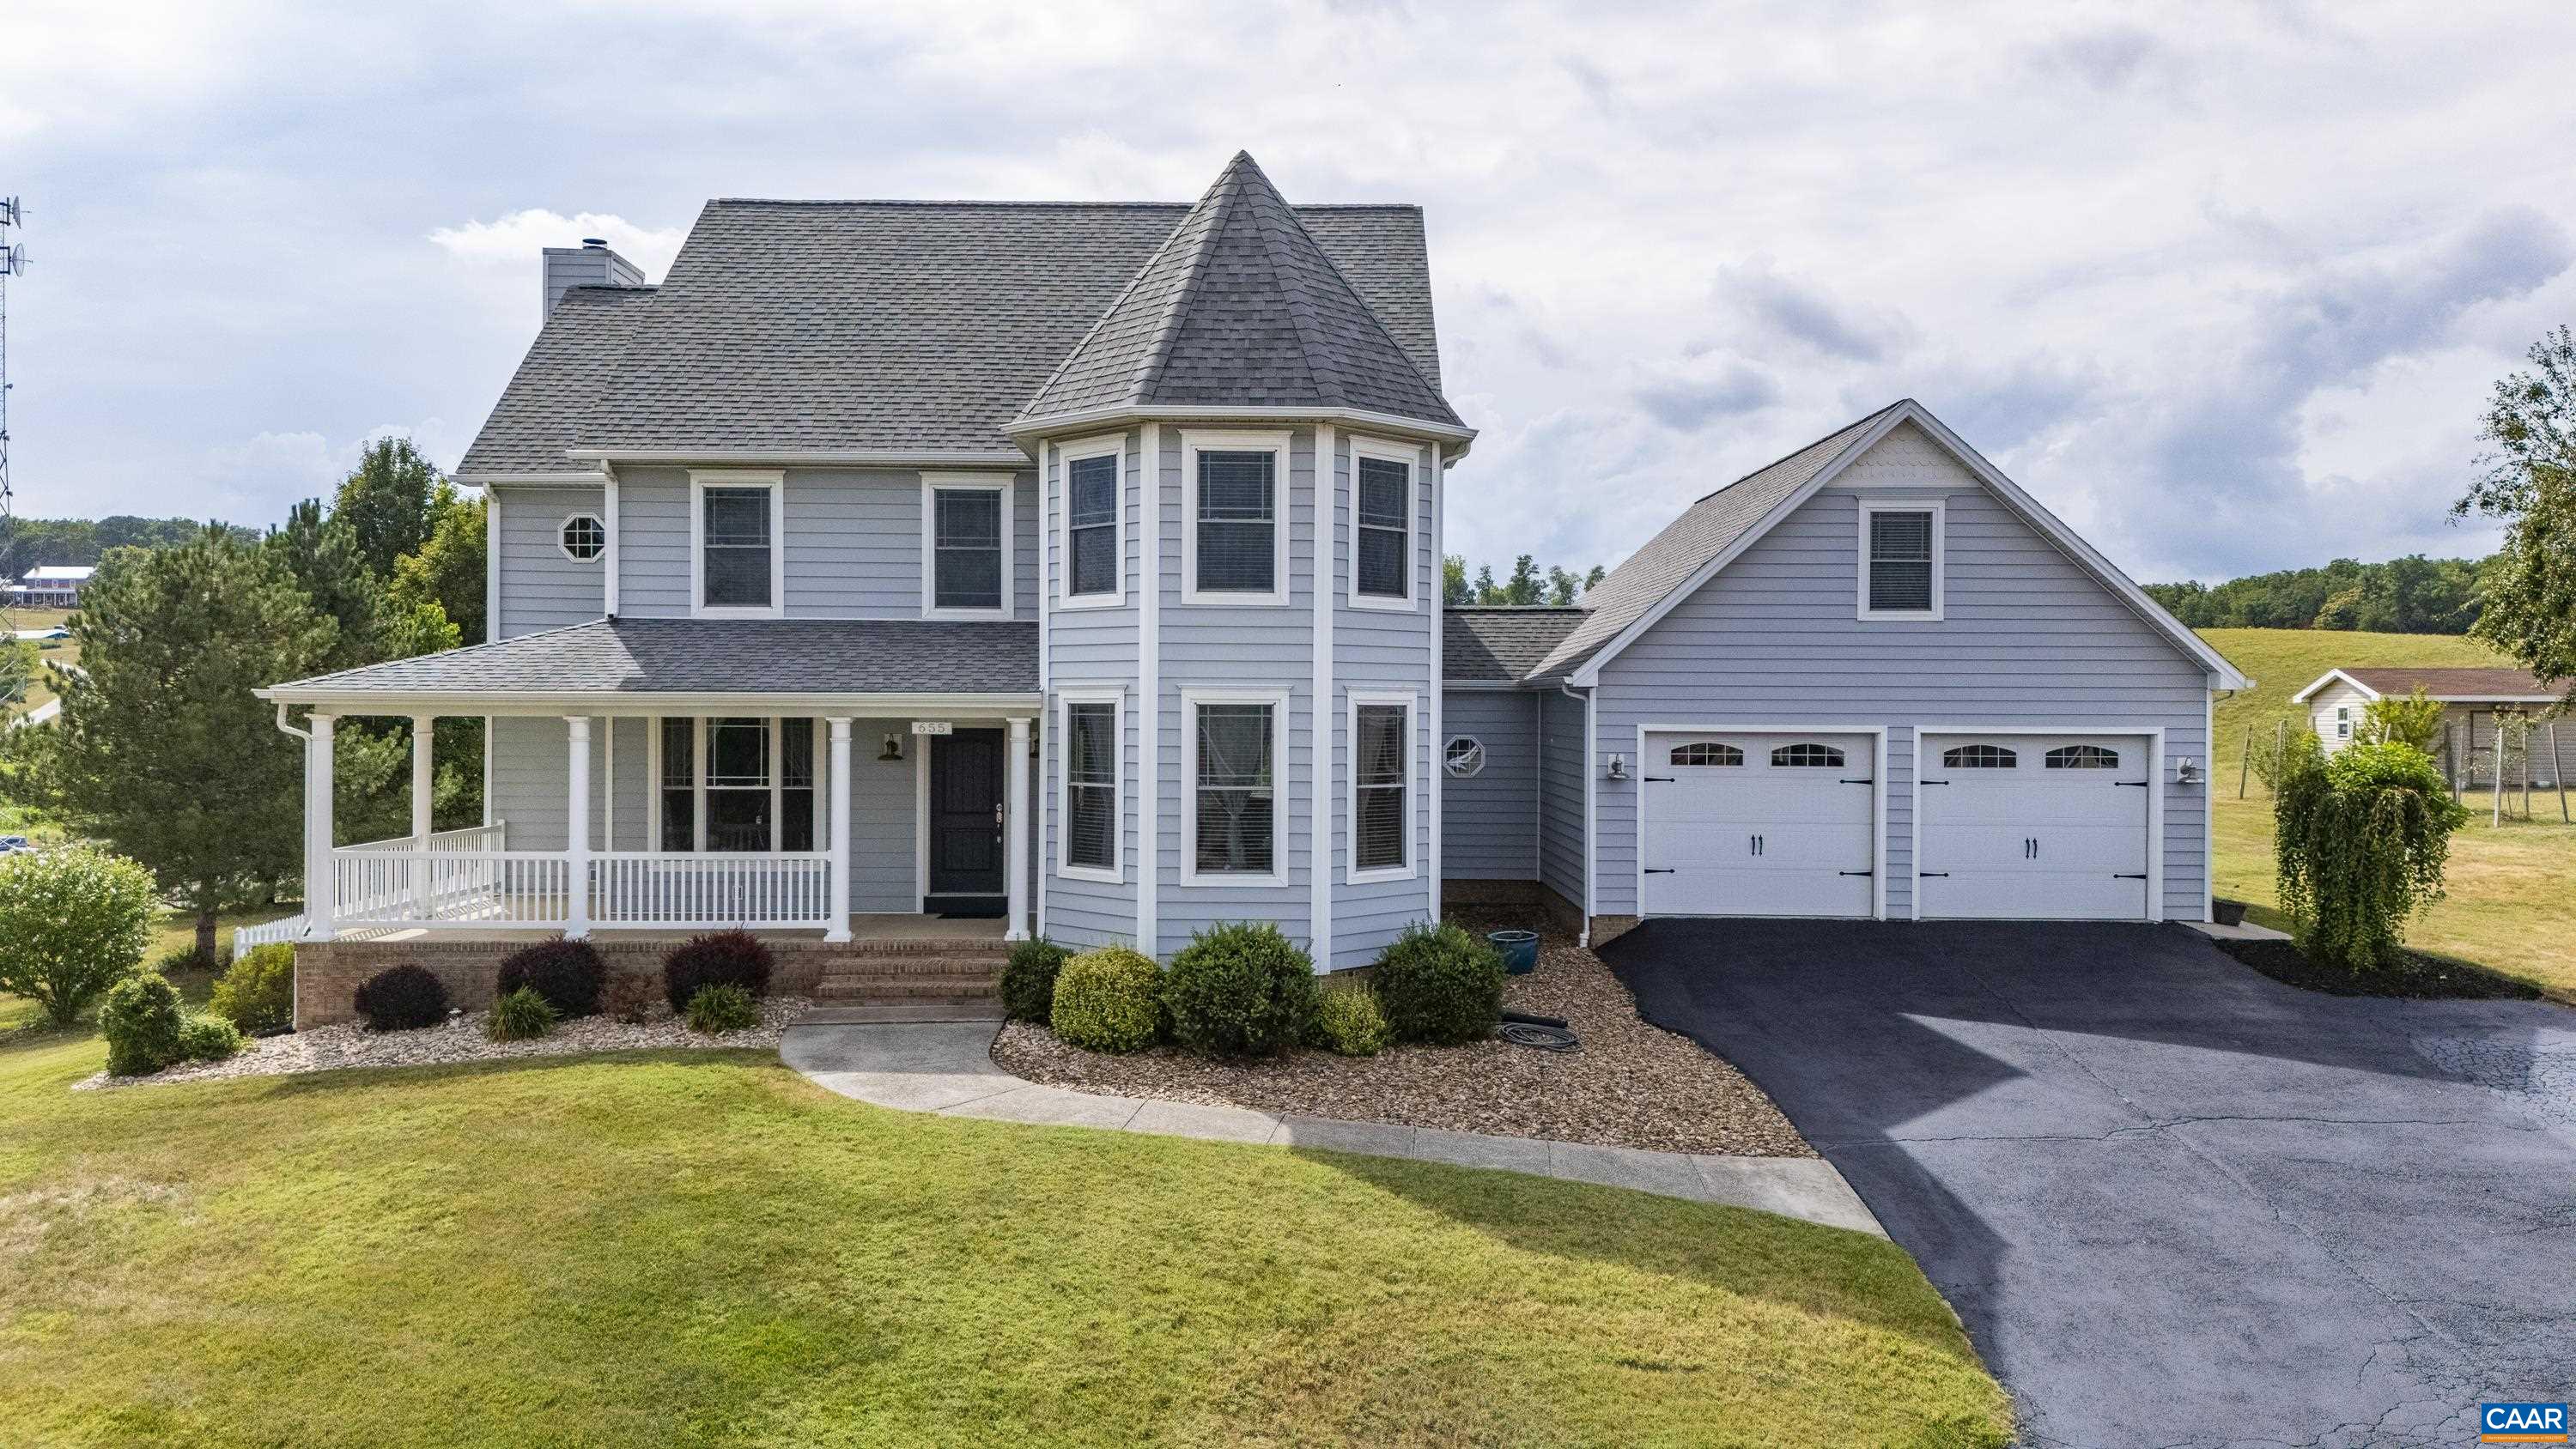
{"x": 34, "y": 542}
{"x": 2411, "y": 595}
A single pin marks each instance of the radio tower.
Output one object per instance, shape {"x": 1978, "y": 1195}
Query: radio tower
{"x": 13, "y": 262}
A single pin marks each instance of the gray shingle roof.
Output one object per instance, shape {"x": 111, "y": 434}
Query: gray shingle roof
{"x": 564, "y": 376}
{"x": 1700, "y": 534}
{"x": 2458, "y": 683}
{"x": 1489, "y": 645}
{"x": 1241, "y": 304}
{"x": 721, "y": 656}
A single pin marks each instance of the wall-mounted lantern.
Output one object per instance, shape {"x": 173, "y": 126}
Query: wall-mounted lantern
{"x": 893, "y": 751}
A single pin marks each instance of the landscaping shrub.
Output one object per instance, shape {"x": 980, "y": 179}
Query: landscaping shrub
{"x": 208, "y": 1038}
{"x": 1239, "y": 989}
{"x": 719, "y": 958}
{"x": 1350, "y": 1022}
{"x": 2361, "y": 841}
{"x": 2411, "y": 719}
{"x": 257, "y": 992}
{"x": 73, "y": 922}
{"x": 722, "y": 1007}
{"x": 141, "y": 1021}
{"x": 1028, "y": 981}
{"x": 629, "y": 997}
{"x": 1438, "y": 984}
{"x": 1108, "y": 1000}
{"x": 521, "y": 1014}
{"x": 568, "y": 974}
{"x": 402, "y": 998}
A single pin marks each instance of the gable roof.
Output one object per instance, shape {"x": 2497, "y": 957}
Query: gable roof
{"x": 1501, "y": 643}
{"x": 565, "y": 375}
{"x": 1240, "y": 304}
{"x": 1718, "y": 529}
{"x": 2465, "y": 685}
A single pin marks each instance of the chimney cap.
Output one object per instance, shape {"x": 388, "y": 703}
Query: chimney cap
{"x": 595, "y": 243}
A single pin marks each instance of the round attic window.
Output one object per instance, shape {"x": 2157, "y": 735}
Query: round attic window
{"x": 1463, "y": 756}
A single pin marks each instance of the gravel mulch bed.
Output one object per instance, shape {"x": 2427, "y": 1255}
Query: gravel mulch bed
{"x": 1628, "y": 1085}
{"x": 2416, "y": 976}
{"x": 331, "y": 1048}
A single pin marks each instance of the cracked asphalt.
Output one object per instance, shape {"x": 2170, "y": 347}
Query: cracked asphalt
{"x": 2175, "y": 1202}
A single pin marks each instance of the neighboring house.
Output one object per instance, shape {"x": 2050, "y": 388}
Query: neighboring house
{"x": 2474, "y": 702}
{"x": 52, "y": 586}
{"x": 1079, "y": 565}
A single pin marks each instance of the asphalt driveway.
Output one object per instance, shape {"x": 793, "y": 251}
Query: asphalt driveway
{"x": 2176, "y": 1203}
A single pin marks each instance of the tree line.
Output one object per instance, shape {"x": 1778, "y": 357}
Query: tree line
{"x": 161, "y": 751}
{"x": 1526, "y": 585}
{"x": 2410, "y": 595}
{"x": 70, "y": 542}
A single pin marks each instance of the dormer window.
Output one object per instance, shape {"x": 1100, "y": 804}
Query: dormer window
{"x": 1900, "y": 560}
{"x": 1382, "y": 519}
{"x": 734, "y": 559}
{"x": 1234, "y": 545}
{"x": 965, "y": 546}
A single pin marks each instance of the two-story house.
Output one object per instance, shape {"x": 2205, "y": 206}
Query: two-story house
{"x": 1077, "y": 567}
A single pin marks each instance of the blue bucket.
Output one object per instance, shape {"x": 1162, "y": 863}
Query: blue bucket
{"x": 1519, "y": 948}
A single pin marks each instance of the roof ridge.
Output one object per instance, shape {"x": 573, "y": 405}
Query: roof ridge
{"x": 1038, "y": 205}
{"x": 1855, "y": 424}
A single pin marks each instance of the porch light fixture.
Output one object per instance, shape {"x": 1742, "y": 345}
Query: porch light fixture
{"x": 893, "y": 752}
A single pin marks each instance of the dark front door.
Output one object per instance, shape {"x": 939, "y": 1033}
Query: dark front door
{"x": 965, "y": 823}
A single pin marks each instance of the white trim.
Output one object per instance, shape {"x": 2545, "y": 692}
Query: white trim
{"x": 2224, "y": 674}
{"x": 701, "y": 747}
{"x": 2329, "y": 677}
{"x": 836, "y": 819}
{"x": 491, "y": 570}
{"x": 1870, "y": 508}
{"x": 1875, "y": 734}
{"x": 1319, "y": 700}
{"x": 1015, "y": 827}
{"x": 700, "y": 480}
{"x": 778, "y": 458}
{"x": 932, "y": 485}
{"x": 1223, "y": 412}
{"x": 1116, "y": 872}
{"x": 1046, "y": 668}
{"x": 1107, "y": 445}
{"x": 1497, "y": 685}
{"x": 1349, "y": 796}
{"x": 1411, "y": 458}
{"x": 2154, "y": 735}
{"x": 921, "y": 822}
{"x": 568, "y": 478}
{"x": 1591, "y": 816}
{"x": 1436, "y": 590}
{"x": 1195, "y": 442}
{"x": 652, "y": 783}
{"x": 564, "y": 526}
{"x": 609, "y": 581}
{"x": 487, "y": 769}
{"x": 1281, "y": 793}
{"x": 542, "y": 702}
{"x": 2208, "y": 806}
{"x": 1149, "y": 698}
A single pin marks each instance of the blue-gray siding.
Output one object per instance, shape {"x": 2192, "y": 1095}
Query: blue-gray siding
{"x": 1561, "y": 787}
{"x": 540, "y": 588}
{"x": 1489, "y": 821}
{"x": 1092, "y": 649}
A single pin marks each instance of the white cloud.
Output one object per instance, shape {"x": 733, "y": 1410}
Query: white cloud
{"x": 512, "y": 242}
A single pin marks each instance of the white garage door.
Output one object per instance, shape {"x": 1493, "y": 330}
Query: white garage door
{"x": 2034, "y": 827}
{"x": 1757, "y": 825}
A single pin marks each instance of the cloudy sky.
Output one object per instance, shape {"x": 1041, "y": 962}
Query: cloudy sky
{"x": 2224, "y": 285}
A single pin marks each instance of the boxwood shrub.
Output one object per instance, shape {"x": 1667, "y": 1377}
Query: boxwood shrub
{"x": 207, "y": 1038}
{"x": 718, "y": 958}
{"x": 568, "y": 974}
{"x": 141, "y": 1021}
{"x": 1350, "y": 1022}
{"x": 257, "y": 992}
{"x": 1028, "y": 981}
{"x": 1440, "y": 985}
{"x": 1108, "y": 1000}
{"x": 402, "y": 998}
{"x": 1240, "y": 989}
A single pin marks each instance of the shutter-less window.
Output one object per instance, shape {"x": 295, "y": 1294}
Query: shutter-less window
{"x": 738, "y": 816}
{"x": 679, "y": 784}
{"x": 1092, "y": 526}
{"x": 1091, "y": 786}
{"x": 1234, "y": 789}
{"x": 1385, "y": 507}
{"x": 1900, "y": 562}
{"x": 1378, "y": 811}
{"x": 1237, "y": 524}
{"x": 796, "y": 784}
{"x": 736, "y": 563}
{"x": 968, "y": 557}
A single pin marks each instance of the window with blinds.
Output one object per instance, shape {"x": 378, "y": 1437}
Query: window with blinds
{"x": 1385, "y": 533}
{"x": 1091, "y": 526}
{"x": 761, "y": 787}
{"x": 735, "y": 565}
{"x": 679, "y": 784}
{"x": 1235, "y": 790}
{"x": 1091, "y": 786}
{"x": 738, "y": 803}
{"x": 1378, "y": 741}
{"x": 1900, "y": 562}
{"x": 967, "y": 553}
{"x": 1237, "y": 524}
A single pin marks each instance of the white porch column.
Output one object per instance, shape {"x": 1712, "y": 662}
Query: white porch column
{"x": 317, "y": 829}
{"x": 577, "y": 831}
{"x": 421, "y": 729}
{"x": 836, "y": 782}
{"x": 1015, "y": 833}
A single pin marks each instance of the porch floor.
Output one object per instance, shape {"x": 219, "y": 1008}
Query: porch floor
{"x": 873, "y": 926}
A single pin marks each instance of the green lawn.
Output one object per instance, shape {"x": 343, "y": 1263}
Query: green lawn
{"x": 704, "y": 1248}
{"x": 2511, "y": 905}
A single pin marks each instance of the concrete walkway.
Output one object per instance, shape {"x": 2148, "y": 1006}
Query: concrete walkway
{"x": 948, "y": 1069}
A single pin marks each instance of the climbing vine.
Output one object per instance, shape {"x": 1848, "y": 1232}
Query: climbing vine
{"x": 2361, "y": 841}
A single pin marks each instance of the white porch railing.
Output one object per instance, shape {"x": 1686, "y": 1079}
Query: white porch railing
{"x": 462, "y": 880}
{"x": 771, "y": 892}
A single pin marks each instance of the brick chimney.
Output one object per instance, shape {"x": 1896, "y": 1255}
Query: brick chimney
{"x": 591, "y": 264}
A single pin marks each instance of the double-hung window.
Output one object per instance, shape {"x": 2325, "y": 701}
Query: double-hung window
{"x": 1088, "y": 788}
{"x": 736, "y": 785}
{"x": 1234, "y": 749}
{"x": 1382, "y": 520}
{"x": 1381, "y": 787}
{"x": 966, "y": 547}
{"x": 1091, "y": 508}
{"x": 1234, "y": 542}
{"x": 1900, "y": 563}
{"x": 734, "y": 528}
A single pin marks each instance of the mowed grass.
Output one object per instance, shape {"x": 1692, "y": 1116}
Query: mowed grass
{"x": 2511, "y": 903}
{"x": 40, "y": 689}
{"x": 703, "y": 1248}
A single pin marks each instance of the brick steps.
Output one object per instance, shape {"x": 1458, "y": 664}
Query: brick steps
{"x": 915, "y": 977}
{"x": 844, "y": 989}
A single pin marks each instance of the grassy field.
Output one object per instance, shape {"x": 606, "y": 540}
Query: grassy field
{"x": 40, "y": 690}
{"x": 703, "y": 1248}
{"x": 2511, "y": 905}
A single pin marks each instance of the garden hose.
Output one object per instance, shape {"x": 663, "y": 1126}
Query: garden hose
{"x": 1545, "y": 1038}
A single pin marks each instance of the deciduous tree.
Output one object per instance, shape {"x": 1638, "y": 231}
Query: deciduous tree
{"x": 2530, "y": 486}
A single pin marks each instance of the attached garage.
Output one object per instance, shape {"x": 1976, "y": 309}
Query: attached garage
{"x": 2035, "y": 827}
{"x": 1737, "y": 823}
